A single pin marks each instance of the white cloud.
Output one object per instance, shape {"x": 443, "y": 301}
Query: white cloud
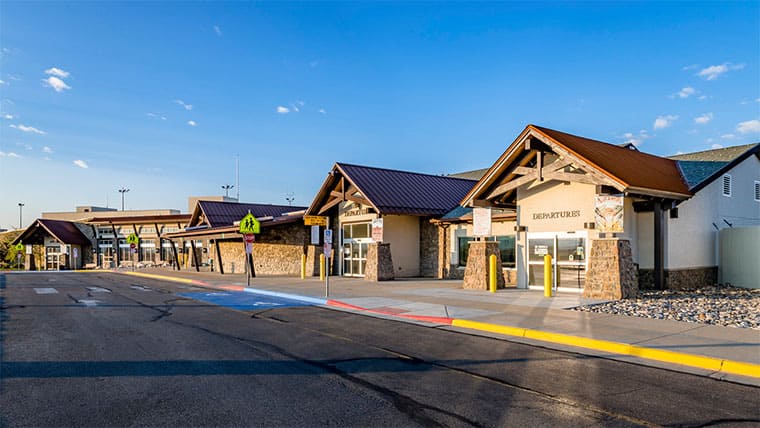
{"x": 31, "y": 129}
{"x": 749, "y": 126}
{"x": 191, "y": 122}
{"x": 663, "y": 122}
{"x": 57, "y": 84}
{"x": 690, "y": 67}
{"x": 156, "y": 116}
{"x": 47, "y": 149}
{"x": 635, "y": 139}
{"x": 28, "y": 147}
{"x": 80, "y": 163}
{"x": 728, "y": 136}
{"x": 283, "y": 110}
{"x": 55, "y": 71}
{"x": 9, "y": 154}
{"x": 757, "y": 100}
{"x": 9, "y": 116}
{"x": 218, "y": 31}
{"x": 717, "y": 146}
{"x": 714, "y": 71}
{"x": 686, "y": 92}
{"x": 2, "y": 82}
{"x": 323, "y": 111}
{"x": 705, "y": 118}
{"x": 702, "y": 97}
{"x": 183, "y": 104}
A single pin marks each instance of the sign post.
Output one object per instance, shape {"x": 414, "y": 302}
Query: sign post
{"x": 249, "y": 226}
{"x": 327, "y": 252}
{"x": 132, "y": 240}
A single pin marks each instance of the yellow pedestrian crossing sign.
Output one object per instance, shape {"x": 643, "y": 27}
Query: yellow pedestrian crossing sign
{"x": 249, "y": 224}
{"x": 19, "y": 246}
{"x": 132, "y": 239}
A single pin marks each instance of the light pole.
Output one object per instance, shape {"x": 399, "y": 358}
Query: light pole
{"x": 123, "y": 190}
{"x": 289, "y": 197}
{"x": 20, "y": 210}
{"x": 227, "y": 188}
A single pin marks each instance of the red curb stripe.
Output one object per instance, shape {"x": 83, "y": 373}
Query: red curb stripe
{"x": 425, "y": 318}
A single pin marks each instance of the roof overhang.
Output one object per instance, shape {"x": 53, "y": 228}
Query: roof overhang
{"x": 338, "y": 187}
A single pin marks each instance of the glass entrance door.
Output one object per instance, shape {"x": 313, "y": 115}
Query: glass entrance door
{"x": 568, "y": 251}
{"x": 356, "y": 240}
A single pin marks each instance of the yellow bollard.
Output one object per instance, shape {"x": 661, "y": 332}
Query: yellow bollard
{"x": 303, "y": 266}
{"x": 547, "y": 275}
{"x": 321, "y": 267}
{"x": 492, "y": 280}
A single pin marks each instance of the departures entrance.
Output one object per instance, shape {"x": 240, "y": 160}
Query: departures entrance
{"x": 569, "y": 258}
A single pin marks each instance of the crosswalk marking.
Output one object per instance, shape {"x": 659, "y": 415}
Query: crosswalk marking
{"x": 45, "y": 290}
{"x": 98, "y": 290}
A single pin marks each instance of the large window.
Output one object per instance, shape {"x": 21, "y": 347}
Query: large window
{"x": 506, "y": 248}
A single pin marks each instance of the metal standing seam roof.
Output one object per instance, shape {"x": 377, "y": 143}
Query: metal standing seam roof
{"x": 62, "y": 230}
{"x": 403, "y": 192}
{"x": 725, "y": 154}
{"x": 631, "y": 167}
{"x": 220, "y": 214}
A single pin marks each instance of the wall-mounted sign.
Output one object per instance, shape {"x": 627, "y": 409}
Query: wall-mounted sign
{"x": 355, "y": 212}
{"x": 540, "y": 250}
{"x": 315, "y": 235}
{"x": 608, "y": 213}
{"x": 314, "y": 220}
{"x": 377, "y": 230}
{"x": 481, "y": 221}
{"x": 553, "y": 215}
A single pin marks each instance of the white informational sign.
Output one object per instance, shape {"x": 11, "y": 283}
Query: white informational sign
{"x": 75, "y": 252}
{"x": 28, "y": 249}
{"x": 541, "y": 250}
{"x": 327, "y": 250}
{"x": 315, "y": 235}
{"x": 64, "y": 249}
{"x": 377, "y": 230}
{"x": 328, "y": 236}
{"x": 248, "y": 247}
{"x": 481, "y": 221}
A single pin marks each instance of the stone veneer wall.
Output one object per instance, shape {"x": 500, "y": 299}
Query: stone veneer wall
{"x": 611, "y": 272}
{"x": 681, "y": 279}
{"x": 429, "y": 248}
{"x": 87, "y": 253}
{"x": 379, "y": 265}
{"x": 476, "y": 272}
{"x": 277, "y": 251}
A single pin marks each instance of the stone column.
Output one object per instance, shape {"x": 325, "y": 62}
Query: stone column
{"x": 476, "y": 272}
{"x": 379, "y": 265}
{"x": 611, "y": 272}
{"x": 312, "y": 259}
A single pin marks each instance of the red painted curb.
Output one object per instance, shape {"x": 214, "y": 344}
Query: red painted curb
{"x": 424, "y": 318}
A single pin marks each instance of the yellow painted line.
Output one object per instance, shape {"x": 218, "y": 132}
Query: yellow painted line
{"x": 698, "y": 361}
{"x": 162, "y": 277}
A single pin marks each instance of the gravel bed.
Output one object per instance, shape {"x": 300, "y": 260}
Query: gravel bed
{"x": 726, "y": 306}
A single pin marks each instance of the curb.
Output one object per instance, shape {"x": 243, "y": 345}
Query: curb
{"x": 716, "y": 365}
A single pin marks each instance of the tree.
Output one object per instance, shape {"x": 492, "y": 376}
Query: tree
{"x": 8, "y": 251}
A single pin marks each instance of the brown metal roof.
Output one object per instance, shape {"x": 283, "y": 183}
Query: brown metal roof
{"x": 630, "y": 167}
{"x": 398, "y": 192}
{"x": 63, "y": 231}
{"x": 219, "y": 214}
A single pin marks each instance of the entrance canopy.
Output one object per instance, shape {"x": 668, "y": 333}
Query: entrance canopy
{"x": 387, "y": 191}
{"x": 65, "y": 232}
{"x": 542, "y": 154}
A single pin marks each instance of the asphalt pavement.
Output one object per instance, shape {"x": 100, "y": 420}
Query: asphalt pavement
{"x": 526, "y": 316}
{"x": 99, "y": 349}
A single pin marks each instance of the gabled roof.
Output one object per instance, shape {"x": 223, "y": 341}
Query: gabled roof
{"x": 625, "y": 169}
{"x": 65, "y": 232}
{"x": 702, "y": 168}
{"x": 219, "y": 214}
{"x": 391, "y": 191}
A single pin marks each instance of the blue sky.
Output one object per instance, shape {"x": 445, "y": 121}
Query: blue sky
{"x": 161, "y": 97}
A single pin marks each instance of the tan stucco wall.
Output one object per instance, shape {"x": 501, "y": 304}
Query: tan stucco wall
{"x": 403, "y": 233}
{"x": 553, "y": 196}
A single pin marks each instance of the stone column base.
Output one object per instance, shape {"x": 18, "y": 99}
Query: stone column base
{"x": 476, "y": 272}
{"x": 611, "y": 272}
{"x": 379, "y": 265}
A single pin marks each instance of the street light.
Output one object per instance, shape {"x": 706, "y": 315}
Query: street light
{"x": 20, "y": 210}
{"x": 123, "y": 190}
{"x": 227, "y": 188}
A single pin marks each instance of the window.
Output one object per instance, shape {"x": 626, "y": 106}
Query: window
{"x": 727, "y": 185}
{"x": 506, "y": 248}
{"x": 757, "y": 191}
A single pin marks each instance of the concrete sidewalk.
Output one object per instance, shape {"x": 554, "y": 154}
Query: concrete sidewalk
{"x": 523, "y": 316}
